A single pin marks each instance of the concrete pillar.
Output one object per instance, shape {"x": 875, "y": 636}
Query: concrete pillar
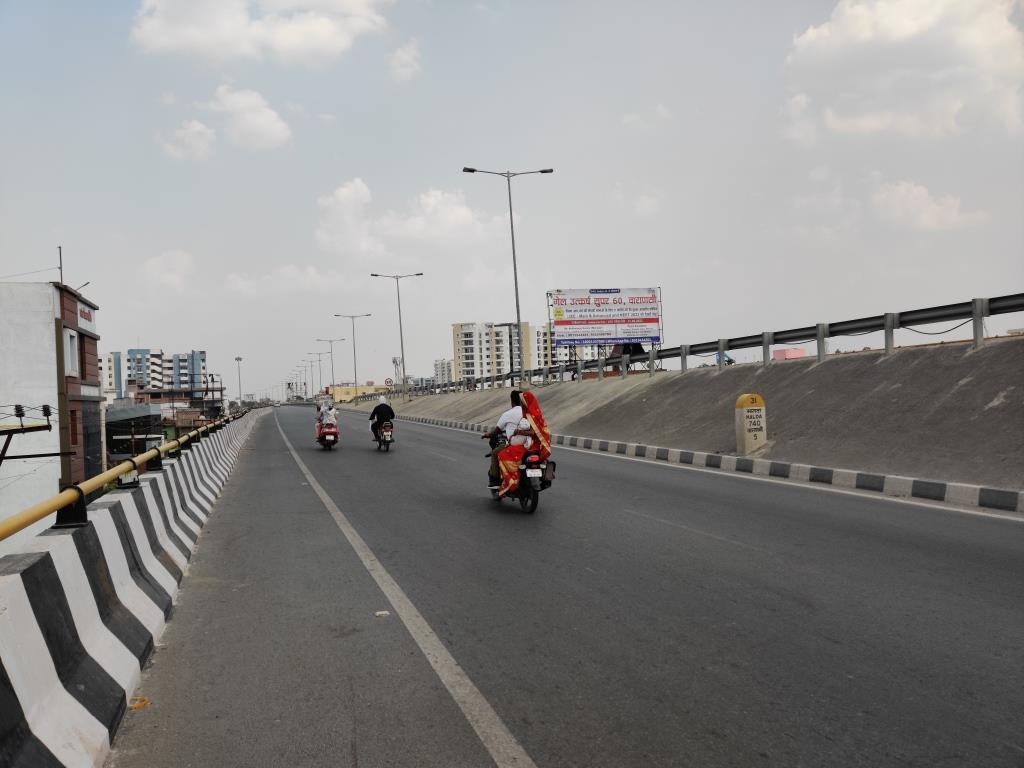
{"x": 723, "y": 345}
{"x": 579, "y": 371}
{"x": 600, "y": 367}
{"x": 544, "y": 376}
{"x": 561, "y": 372}
{"x": 822, "y": 341}
{"x": 652, "y": 360}
{"x": 767, "y": 339}
{"x": 684, "y": 352}
{"x": 891, "y": 319}
{"x": 979, "y": 309}
{"x": 624, "y": 365}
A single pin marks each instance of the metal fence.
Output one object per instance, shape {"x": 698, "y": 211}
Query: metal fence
{"x": 974, "y": 311}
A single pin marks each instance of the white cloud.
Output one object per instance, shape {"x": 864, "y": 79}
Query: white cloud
{"x": 405, "y": 62}
{"x": 193, "y": 140}
{"x": 648, "y": 120}
{"x": 251, "y": 122}
{"x": 303, "y": 31}
{"x": 908, "y": 67}
{"x": 646, "y": 206}
{"x": 907, "y": 204}
{"x": 171, "y": 269}
{"x": 286, "y": 279}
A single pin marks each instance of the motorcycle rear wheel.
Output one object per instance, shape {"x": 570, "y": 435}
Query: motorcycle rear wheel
{"x": 529, "y": 499}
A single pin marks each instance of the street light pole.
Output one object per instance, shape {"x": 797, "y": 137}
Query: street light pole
{"x": 355, "y": 366}
{"x": 401, "y": 333}
{"x": 509, "y": 175}
{"x": 239, "y": 361}
{"x": 330, "y": 342}
{"x": 320, "y": 369}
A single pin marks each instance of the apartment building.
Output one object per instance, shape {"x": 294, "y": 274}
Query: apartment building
{"x": 443, "y": 369}
{"x": 547, "y": 354}
{"x": 487, "y": 349}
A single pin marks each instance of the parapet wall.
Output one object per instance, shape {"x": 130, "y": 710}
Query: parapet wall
{"x": 945, "y": 411}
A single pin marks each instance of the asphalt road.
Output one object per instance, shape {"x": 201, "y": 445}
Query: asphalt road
{"x": 644, "y": 616}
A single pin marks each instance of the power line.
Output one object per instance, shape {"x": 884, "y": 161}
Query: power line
{"x": 23, "y": 274}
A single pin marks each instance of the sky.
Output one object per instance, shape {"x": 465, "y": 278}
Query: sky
{"x": 226, "y": 174}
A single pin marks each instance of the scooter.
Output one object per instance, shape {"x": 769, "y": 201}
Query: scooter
{"x": 327, "y": 435}
{"x": 535, "y": 475}
{"x": 385, "y": 436}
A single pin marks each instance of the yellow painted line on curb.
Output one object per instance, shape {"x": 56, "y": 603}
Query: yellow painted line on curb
{"x": 492, "y": 732}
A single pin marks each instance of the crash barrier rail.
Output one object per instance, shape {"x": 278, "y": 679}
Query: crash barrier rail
{"x": 70, "y": 504}
{"x": 974, "y": 311}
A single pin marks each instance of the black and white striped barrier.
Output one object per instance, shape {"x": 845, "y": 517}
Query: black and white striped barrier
{"x": 81, "y": 608}
{"x": 962, "y": 494}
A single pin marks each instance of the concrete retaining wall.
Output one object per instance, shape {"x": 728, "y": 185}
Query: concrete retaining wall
{"x": 81, "y": 608}
{"x": 941, "y": 411}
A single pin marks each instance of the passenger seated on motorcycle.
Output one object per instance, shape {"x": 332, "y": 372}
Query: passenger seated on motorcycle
{"x": 509, "y": 422}
{"x": 381, "y": 413}
{"x": 326, "y": 414}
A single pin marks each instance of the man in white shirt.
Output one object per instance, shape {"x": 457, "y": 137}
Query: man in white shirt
{"x": 508, "y": 423}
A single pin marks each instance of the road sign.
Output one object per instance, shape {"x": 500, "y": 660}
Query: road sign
{"x": 388, "y": 382}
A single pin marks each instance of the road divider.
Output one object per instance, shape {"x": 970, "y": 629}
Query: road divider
{"x": 898, "y": 486}
{"x": 81, "y": 606}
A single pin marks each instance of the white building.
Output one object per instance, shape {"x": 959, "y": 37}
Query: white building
{"x": 547, "y": 354}
{"x": 482, "y": 350}
{"x": 443, "y": 371}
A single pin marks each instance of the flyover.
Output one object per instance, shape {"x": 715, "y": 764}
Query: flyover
{"x": 356, "y": 608}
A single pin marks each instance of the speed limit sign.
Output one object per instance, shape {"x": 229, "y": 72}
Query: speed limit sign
{"x": 388, "y": 382}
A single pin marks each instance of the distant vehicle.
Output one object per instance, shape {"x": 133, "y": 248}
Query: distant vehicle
{"x": 277, "y": 403}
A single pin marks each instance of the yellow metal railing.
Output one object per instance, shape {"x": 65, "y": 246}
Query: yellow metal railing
{"x": 75, "y": 493}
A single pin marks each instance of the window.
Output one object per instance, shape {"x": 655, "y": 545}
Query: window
{"x": 71, "y": 353}
{"x": 73, "y": 426}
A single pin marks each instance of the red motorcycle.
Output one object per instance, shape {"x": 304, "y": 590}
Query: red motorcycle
{"x": 327, "y": 435}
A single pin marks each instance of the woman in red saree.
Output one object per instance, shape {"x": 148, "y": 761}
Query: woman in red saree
{"x": 535, "y": 436}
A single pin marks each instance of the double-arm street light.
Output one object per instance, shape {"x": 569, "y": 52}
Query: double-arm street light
{"x": 509, "y": 175}
{"x": 355, "y": 366}
{"x": 401, "y": 334}
{"x": 331, "y": 343}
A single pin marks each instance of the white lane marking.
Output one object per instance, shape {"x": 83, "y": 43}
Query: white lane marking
{"x": 492, "y": 732}
{"x": 776, "y": 480}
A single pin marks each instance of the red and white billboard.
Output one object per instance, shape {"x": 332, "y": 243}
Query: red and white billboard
{"x": 583, "y": 316}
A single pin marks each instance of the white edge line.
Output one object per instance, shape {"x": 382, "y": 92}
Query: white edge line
{"x": 860, "y": 493}
{"x": 503, "y": 747}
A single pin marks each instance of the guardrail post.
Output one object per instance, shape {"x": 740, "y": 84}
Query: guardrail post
{"x": 822, "y": 341}
{"x": 723, "y": 345}
{"x": 767, "y": 338}
{"x": 891, "y": 321}
{"x": 561, "y": 372}
{"x": 74, "y": 515}
{"x": 624, "y": 365}
{"x": 544, "y": 376}
{"x": 684, "y": 352}
{"x": 979, "y": 309}
{"x": 579, "y": 371}
{"x": 600, "y": 367}
{"x": 652, "y": 359}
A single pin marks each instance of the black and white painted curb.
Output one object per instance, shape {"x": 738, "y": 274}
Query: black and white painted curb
{"x": 961, "y": 494}
{"x": 81, "y": 608}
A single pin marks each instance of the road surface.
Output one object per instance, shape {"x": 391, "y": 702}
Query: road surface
{"x": 645, "y": 616}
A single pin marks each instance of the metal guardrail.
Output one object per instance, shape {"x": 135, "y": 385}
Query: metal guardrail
{"x": 70, "y": 504}
{"x": 974, "y": 311}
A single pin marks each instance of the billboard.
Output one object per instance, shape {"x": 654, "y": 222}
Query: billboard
{"x": 581, "y": 316}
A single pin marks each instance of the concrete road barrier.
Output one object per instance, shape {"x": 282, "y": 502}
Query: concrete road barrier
{"x": 82, "y": 608}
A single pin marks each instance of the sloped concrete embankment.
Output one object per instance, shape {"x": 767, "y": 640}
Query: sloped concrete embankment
{"x": 947, "y": 411}
{"x": 81, "y": 608}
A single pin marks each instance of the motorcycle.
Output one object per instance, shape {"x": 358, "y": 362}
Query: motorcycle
{"x": 327, "y": 435}
{"x": 385, "y": 436}
{"x": 535, "y": 475}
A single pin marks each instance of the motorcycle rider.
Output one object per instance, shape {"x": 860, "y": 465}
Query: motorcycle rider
{"x": 382, "y": 412}
{"x": 509, "y": 423}
{"x": 326, "y": 414}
